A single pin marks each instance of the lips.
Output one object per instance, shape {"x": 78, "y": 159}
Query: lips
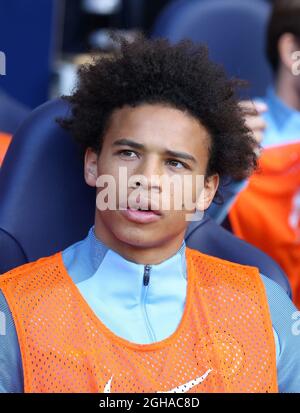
{"x": 141, "y": 216}
{"x": 142, "y": 209}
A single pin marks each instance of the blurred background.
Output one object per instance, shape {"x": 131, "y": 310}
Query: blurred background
{"x": 45, "y": 40}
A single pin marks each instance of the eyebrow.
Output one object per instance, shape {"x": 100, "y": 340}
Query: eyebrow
{"x": 181, "y": 155}
{"x": 128, "y": 142}
{"x": 133, "y": 144}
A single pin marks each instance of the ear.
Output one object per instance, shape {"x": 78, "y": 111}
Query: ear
{"x": 287, "y": 45}
{"x": 208, "y": 192}
{"x": 90, "y": 167}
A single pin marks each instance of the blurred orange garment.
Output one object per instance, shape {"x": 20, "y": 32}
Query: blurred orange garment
{"x": 5, "y": 140}
{"x": 267, "y": 212}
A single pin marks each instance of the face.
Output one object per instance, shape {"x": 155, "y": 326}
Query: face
{"x": 155, "y": 142}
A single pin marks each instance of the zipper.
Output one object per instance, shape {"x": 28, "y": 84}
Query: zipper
{"x": 146, "y": 277}
{"x": 146, "y": 281}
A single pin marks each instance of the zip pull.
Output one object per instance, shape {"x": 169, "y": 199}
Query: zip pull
{"x": 146, "y": 277}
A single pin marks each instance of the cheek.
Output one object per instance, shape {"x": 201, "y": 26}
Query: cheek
{"x": 106, "y": 166}
{"x": 112, "y": 165}
{"x": 176, "y": 222}
{"x": 187, "y": 191}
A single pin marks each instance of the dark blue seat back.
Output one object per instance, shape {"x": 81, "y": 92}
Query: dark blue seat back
{"x": 12, "y": 113}
{"x": 46, "y": 205}
{"x": 234, "y": 31}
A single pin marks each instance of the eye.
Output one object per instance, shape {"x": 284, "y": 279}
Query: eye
{"x": 176, "y": 164}
{"x": 127, "y": 154}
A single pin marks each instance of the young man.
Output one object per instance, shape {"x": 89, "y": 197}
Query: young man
{"x": 130, "y": 308}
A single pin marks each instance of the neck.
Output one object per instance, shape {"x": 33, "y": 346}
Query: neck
{"x": 152, "y": 254}
{"x": 287, "y": 88}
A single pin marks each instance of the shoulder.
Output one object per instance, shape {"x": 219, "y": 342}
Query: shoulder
{"x": 286, "y": 323}
{"x": 196, "y": 255}
{"x": 281, "y": 306}
{"x": 11, "y": 374}
{"x": 20, "y": 274}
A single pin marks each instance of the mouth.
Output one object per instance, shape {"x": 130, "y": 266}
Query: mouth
{"x": 141, "y": 216}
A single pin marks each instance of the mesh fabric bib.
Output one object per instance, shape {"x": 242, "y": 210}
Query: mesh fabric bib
{"x": 224, "y": 342}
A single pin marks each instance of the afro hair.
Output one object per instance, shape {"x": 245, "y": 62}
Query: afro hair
{"x": 181, "y": 76}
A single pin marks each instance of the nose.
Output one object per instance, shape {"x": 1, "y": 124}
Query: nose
{"x": 149, "y": 174}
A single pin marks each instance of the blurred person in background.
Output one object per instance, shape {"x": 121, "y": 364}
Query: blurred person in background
{"x": 267, "y": 212}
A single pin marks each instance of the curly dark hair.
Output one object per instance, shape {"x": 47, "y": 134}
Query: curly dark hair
{"x": 181, "y": 76}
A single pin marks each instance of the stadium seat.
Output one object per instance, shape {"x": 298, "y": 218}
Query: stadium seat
{"x": 12, "y": 113}
{"x": 46, "y": 205}
{"x": 234, "y": 30}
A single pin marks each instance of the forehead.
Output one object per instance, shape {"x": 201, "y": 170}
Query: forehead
{"x": 158, "y": 126}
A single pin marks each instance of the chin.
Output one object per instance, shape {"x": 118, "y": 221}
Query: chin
{"x": 137, "y": 237}
{"x": 152, "y": 235}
